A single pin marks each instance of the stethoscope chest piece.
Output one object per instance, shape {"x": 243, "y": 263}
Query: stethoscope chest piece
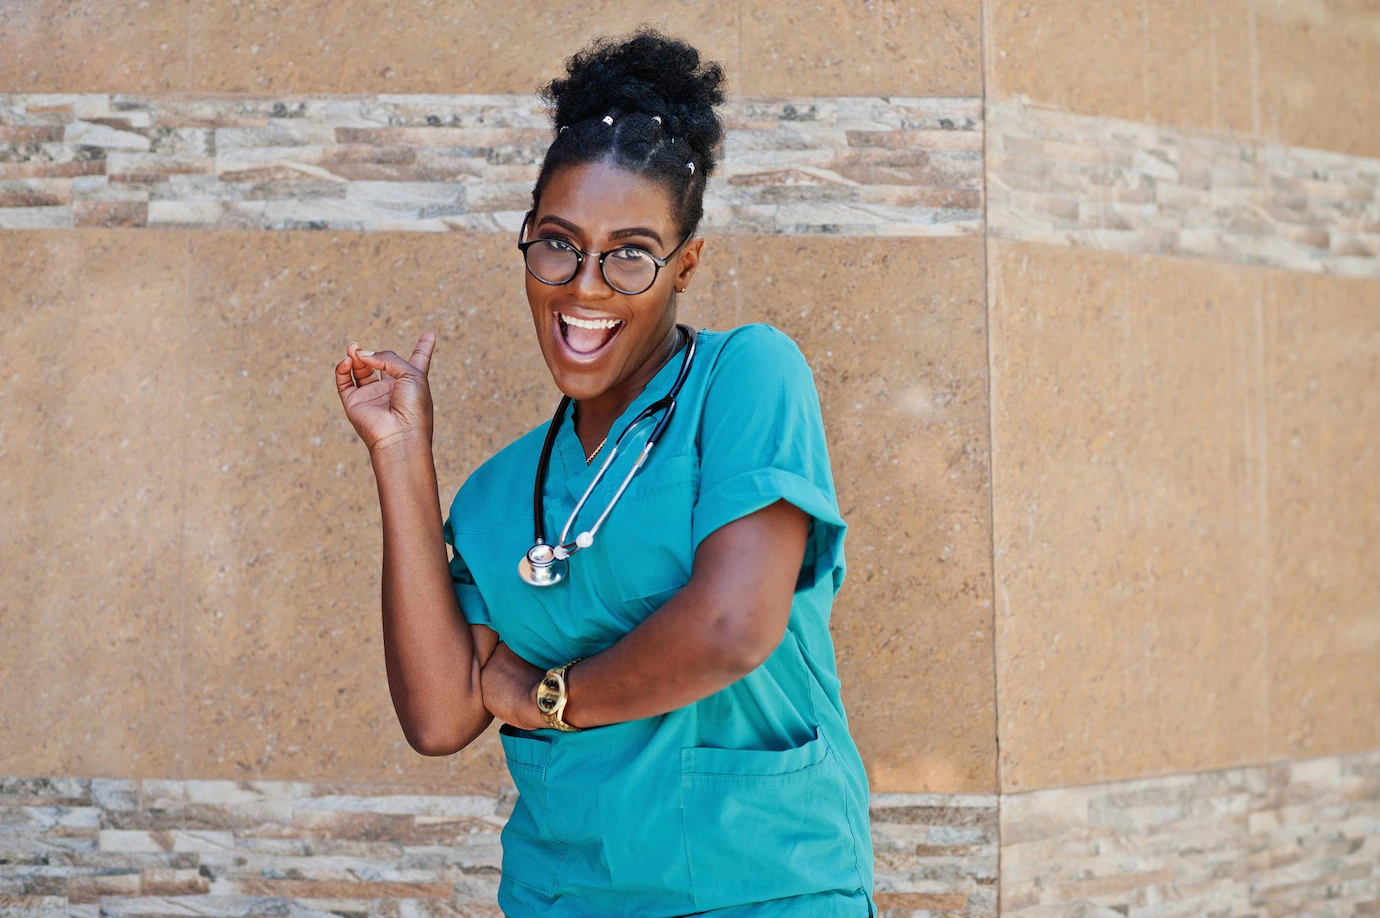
{"x": 540, "y": 567}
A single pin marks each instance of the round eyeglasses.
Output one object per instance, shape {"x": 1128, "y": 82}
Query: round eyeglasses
{"x": 628, "y": 269}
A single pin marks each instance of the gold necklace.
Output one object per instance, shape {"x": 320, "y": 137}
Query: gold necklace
{"x": 590, "y": 457}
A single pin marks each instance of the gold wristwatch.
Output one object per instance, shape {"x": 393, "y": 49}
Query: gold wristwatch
{"x": 551, "y": 697}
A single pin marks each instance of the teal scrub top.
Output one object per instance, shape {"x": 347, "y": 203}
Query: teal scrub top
{"x": 752, "y": 801}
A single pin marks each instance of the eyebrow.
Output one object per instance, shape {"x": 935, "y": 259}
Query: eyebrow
{"x": 616, "y": 234}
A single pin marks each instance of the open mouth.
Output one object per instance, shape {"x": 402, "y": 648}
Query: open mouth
{"x": 586, "y": 339}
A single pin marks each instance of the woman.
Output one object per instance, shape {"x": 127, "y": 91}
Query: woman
{"x": 689, "y": 752}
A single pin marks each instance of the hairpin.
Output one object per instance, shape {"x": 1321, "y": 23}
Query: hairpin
{"x": 608, "y": 119}
{"x": 656, "y": 118}
{"x": 564, "y": 128}
{"x": 690, "y": 164}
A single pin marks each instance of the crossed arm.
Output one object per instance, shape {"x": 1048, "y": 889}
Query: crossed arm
{"x": 723, "y": 623}
{"x": 720, "y": 626}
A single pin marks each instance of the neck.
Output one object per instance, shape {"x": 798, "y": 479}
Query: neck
{"x": 600, "y": 412}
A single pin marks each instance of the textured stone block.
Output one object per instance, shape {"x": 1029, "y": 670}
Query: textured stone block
{"x": 1128, "y": 515}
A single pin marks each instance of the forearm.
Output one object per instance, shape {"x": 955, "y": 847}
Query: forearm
{"x": 433, "y": 676}
{"x": 682, "y": 652}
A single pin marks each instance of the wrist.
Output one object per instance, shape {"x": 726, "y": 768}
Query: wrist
{"x": 401, "y": 447}
{"x": 531, "y": 710}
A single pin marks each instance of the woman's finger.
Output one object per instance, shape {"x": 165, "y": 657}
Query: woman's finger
{"x": 344, "y": 378}
{"x": 361, "y": 371}
{"x": 421, "y": 354}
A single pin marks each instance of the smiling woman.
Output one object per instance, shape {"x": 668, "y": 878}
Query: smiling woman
{"x": 601, "y": 284}
{"x": 670, "y": 703}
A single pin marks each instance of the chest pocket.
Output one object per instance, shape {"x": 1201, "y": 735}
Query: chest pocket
{"x": 647, "y": 535}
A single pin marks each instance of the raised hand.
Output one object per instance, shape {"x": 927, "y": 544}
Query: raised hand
{"x": 397, "y": 405}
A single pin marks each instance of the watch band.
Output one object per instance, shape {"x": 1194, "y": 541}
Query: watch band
{"x": 551, "y": 696}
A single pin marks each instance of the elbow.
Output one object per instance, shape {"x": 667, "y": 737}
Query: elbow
{"x": 434, "y": 743}
{"x": 447, "y": 735}
{"x": 444, "y": 742}
{"x": 432, "y": 748}
{"x": 749, "y": 635}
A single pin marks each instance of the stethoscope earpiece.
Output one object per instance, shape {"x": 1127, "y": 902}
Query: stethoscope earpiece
{"x": 544, "y": 565}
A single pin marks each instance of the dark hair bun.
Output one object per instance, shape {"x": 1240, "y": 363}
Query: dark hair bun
{"x": 644, "y": 71}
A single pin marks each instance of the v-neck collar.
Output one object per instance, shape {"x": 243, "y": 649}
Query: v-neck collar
{"x": 572, "y": 452}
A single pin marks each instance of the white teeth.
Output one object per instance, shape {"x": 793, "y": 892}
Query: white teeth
{"x": 589, "y": 323}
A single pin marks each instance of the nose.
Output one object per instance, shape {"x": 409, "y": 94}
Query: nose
{"x": 588, "y": 282}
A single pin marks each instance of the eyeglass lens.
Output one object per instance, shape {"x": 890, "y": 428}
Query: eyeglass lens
{"x": 627, "y": 270}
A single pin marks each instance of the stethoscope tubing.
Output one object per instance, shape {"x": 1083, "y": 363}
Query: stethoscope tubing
{"x": 564, "y": 549}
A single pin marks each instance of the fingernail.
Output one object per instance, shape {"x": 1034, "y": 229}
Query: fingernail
{"x": 352, "y": 344}
{"x": 365, "y": 353}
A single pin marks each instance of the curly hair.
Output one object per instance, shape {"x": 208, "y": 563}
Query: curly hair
{"x": 661, "y": 99}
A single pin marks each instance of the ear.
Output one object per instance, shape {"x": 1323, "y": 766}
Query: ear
{"x": 689, "y": 260}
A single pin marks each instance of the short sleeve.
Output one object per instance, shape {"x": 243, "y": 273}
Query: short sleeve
{"x": 762, "y": 440}
{"x": 471, "y": 602}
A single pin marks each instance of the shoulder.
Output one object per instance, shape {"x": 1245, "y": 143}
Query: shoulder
{"x": 756, "y": 353}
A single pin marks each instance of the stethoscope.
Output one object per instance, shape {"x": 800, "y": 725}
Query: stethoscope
{"x": 544, "y": 564}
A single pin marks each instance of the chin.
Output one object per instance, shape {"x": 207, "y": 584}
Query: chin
{"x": 580, "y": 383}
{"x": 582, "y": 387}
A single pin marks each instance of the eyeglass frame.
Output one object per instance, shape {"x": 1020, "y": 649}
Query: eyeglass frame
{"x": 580, "y": 255}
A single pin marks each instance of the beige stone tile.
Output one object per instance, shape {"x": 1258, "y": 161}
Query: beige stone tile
{"x": 1319, "y": 73}
{"x": 1128, "y": 515}
{"x": 1323, "y": 364}
{"x": 895, "y": 333}
{"x": 1174, "y": 62}
{"x": 62, "y": 46}
{"x": 463, "y": 47}
{"x": 283, "y": 644}
{"x": 888, "y": 47}
{"x": 1198, "y": 62}
{"x": 91, "y": 441}
{"x": 1081, "y": 55}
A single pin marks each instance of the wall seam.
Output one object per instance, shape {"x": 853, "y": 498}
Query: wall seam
{"x": 190, "y": 25}
{"x": 1255, "y": 70}
{"x": 985, "y": 60}
{"x": 1145, "y": 62}
{"x": 1263, "y": 764}
{"x": 1263, "y": 445}
{"x": 1214, "y": 106}
{"x": 180, "y": 643}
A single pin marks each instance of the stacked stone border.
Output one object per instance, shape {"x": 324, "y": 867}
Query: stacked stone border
{"x": 94, "y": 847}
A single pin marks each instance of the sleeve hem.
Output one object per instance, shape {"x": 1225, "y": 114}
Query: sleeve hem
{"x": 750, "y": 491}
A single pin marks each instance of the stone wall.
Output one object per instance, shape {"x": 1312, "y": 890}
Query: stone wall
{"x": 1089, "y": 290}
